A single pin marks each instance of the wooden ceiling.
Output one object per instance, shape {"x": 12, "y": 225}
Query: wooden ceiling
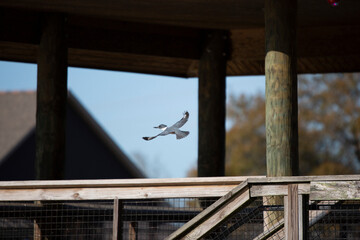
{"x": 165, "y": 37}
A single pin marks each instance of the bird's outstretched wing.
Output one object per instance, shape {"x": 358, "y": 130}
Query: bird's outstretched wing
{"x": 182, "y": 121}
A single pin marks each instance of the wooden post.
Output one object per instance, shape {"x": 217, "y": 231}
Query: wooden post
{"x": 291, "y": 208}
{"x": 281, "y": 88}
{"x": 212, "y": 96}
{"x": 117, "y": 222}
{"x": 51, "y": 99}
{"x": 281, "y": 94}
{"x": 304, "y": 217}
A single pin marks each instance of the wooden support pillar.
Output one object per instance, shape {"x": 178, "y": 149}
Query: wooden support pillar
{"x": 51, "y": 98}
{"x": 212, "y": 96}
{"x": 281, "y": 88}
{"x": 281, "y": 95}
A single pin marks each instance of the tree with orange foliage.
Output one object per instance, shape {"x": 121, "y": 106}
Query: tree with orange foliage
{"x": 329, "y": 128}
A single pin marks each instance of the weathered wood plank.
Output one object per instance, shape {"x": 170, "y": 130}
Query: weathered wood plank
{"x": 220, "y": 216}
{"x": 114, "y": 192}
{"x": 291, "y": 208}
{"x": 340, "y": 190}
{"x": 299, "y": 179}
{"x": 139, "y": 182}
{"x": 271, "y": 231}
{"x": 276, "y": 190}
{"x": 214, "y": 214}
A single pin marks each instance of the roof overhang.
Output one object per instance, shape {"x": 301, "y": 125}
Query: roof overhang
{"x": 165, "y": 37}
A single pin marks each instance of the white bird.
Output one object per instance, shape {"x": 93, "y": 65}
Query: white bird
{"x": 174, "y": 129}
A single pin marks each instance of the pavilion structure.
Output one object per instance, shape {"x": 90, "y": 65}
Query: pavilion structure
{"x": 206, "y": 39}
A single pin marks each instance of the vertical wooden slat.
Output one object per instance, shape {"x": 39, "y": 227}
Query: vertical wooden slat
{"x": 291, "y": 209}
{"x": 281, "y": 88}
{"x": 303, "y": 216}
{"x": 51, "y": 98}
{"x": 117, "y": 223}
{"x": 212, "y": 74}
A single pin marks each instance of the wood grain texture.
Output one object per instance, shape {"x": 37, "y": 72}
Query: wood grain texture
{"x": 271, "y": 231}
{"x": 113, "y": 192}
{"x": 135, "y": 182}
{"x": 276, "y": 189}
{"x": 291, "y": 209}
{"x": 206, "y": 220}
{"x": 221, "y": 215}
{"x": 281, "y": 88}
{"x": 339, "y": 190}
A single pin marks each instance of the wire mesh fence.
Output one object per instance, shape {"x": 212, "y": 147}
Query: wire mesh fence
{"x": 261, "y": 218}
{"x": 334, "y": 220}
{"x": 56, "y": 220}
{"x": 139, "y": 219}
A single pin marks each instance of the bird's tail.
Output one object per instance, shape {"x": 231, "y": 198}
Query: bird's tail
{"x": 181, "y": 134}
{"x": 148, "y": 138}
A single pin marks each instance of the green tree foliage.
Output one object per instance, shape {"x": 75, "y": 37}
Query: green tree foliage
{"x": 329, "y": 128}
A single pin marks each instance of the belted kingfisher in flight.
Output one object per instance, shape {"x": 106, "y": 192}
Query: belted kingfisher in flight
{"x": 174, "y": 129}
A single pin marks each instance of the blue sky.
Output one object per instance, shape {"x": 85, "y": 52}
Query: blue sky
{"x": 129, "y": 105}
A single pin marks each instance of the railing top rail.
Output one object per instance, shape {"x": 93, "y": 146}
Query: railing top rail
{"x": 303, "y": 179}
{"x": 135, "y": 182}
{"x": 156, "y": 182}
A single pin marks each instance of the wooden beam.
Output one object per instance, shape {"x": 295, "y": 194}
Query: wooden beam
{"x": 212, "y": 81}
{"x": 215, "y": 214}
{"x": 271, "y": 231}
{"x": 51, "y": 99}
{"x": 107, "y": 193}
{"x": 340, "y": 190}
{"x": 303, "y": 179}
{"x": 138, "y": 182}
{"x": 261, "y": 190}
{"x": 281, "y": 88}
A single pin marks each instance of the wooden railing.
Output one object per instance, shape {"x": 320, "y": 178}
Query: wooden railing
{"x": 234, "y": 192}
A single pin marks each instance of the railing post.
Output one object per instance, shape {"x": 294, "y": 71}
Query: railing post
{"x": 291, "y": 208}
{"x": 117, "y": 222}
{"x": 304, "y": 216}
{"x": 296, "y": 214}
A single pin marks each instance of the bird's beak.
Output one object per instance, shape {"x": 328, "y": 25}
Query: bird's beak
{"x": 156, "y": 127}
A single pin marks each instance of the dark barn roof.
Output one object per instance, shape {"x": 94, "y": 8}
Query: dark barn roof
{"x": 90, "y": 152}
{"x": 164, "y": 37}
